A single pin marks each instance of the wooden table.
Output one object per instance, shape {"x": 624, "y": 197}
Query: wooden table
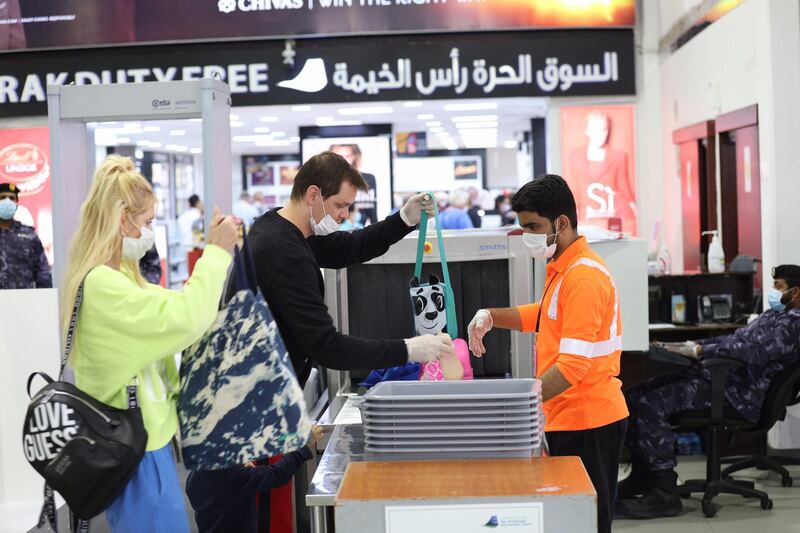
{"x": 558, "y": 486}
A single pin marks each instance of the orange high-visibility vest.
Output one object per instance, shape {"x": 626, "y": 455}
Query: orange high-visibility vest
{"x": 580, "y": 331}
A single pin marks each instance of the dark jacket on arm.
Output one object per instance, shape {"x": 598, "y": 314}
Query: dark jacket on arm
{"x": 288, "y": 270}
{"x": 225, "y": 500}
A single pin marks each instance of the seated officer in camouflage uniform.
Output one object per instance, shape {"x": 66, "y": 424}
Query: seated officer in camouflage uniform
{"x": 767, "y": 345}
{"x": 23, "y": 264}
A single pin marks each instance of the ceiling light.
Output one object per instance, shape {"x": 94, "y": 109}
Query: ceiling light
{"x": 171, "y": 147}
{"x": 265, "y": 144}
{"x": 301, "y": 108}
{"x": 471, "y": 107}
{"x": 177, "y": 133}
{"x": 278, "y": 134}
{"x": 329, "y": 121}
{"x": 374, "y": 110}
{"x": 195, "y": 120}
{"x": 251, "y": 138}
{"x": 443, "y": 134}
{"x": 472, "y": 125}
{"x": 433, "y": 123}
{"x": 181, "y": 148}
{"x": 480, "y": 131}
{"x": 269, "y": 119}
{"x": 237, "y": 124}
{"x": 261, "y": 129}
{"x": 425, "y": 116}
{"x": 474, "y": 118}
{"x": 123, "y": 140}
{"x": 295, "y": 139}
{"x": 196, "y": 150}
{"x": 488, "y": 143}
{"x": 234, "y": 117}
{"x": 155, "y": 144}
{"x": 143, "y": 143}
{"x": 151, "y": 129}
{"x": 511, "y": 145}
{"x": 413, "y": 103}
{"x": 436, "y": 129}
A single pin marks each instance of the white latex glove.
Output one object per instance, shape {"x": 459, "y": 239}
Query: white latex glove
{"x": 688, "y": 349}
{"x": 481, "y": 324}
{"x": 411, "y": 213}
{"x": 427, "y": 348}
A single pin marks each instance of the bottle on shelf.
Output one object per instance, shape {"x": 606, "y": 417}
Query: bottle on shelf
{"x": 716, "y": 255}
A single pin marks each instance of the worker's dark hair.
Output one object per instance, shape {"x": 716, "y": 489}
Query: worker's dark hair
{"x": 327, "y": 171}
{"x": 194, "y": 200}
{"x": 499, "y": 199}
{"x": 549, "y": 196}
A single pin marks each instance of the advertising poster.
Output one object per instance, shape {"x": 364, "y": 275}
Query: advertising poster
{"x": 372, "y": 156}
{"x": 26, "y": 24}
{"x": 25, "y": 162}
{"x": 597, "y": 152}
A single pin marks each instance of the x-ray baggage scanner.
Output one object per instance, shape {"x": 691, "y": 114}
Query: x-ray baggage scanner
{"x": 488, "y": 268}
{"x": 72, "y": 108}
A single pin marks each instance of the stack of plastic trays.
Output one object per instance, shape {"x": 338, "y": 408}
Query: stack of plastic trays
{"x": 453, "y": 419}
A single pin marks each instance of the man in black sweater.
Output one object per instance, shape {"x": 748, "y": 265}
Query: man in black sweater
{"x": 292, "y": 243}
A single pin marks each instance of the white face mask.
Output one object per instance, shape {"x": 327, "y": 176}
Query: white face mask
{"x": 326, "y": 226}
{"x": 135, "y": 248}
{"x": 537, "y": 243}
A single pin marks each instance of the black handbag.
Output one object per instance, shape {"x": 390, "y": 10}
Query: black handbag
{"x": 86, "y": 450}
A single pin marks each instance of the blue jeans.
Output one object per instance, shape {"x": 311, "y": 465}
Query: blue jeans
{"x": 152, "y": 501}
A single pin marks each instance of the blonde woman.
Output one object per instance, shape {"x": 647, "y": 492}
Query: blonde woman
{"x": 129, "y": 330}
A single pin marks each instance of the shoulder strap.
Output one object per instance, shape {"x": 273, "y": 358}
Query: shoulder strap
{"x": 452, "y": 323}
{"x": 71, "y": 331}
{"x": 133, "y": 398}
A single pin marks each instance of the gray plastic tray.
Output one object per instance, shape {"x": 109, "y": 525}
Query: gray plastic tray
{"x": 391, "y": 426}
{"x": 449, "y": 390}
{"x": 458, "y": 454}
{"x": 470, "y": 419}
{"x": 438, "y": 432}
{"x": 449, "y": 442}
{"x": 449, "y": 449}
{"x": 485, "y": 413}
{"x": 425, "y": 404}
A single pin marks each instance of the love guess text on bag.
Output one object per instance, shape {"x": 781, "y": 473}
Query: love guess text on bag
{"x": 50, "y": 428}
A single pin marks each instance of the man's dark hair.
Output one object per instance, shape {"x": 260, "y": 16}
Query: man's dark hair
{"x": 549, "y": 196}
{"x": 194, "y": 200}
{"x": 327, "y": 171}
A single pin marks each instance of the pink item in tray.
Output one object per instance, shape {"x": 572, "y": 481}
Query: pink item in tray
{"x": 433, "y": 371}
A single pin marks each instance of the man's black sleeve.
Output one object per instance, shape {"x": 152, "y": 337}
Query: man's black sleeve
{"x": 294, "y": 290}
{"x": 267, "y": 477}
{"x": 343, "y": 249}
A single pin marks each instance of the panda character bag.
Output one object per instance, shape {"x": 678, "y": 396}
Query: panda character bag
{"x": 433, "y": 302}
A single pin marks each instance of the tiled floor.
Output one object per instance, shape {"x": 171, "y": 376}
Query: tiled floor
{"x": 735, "y": 513}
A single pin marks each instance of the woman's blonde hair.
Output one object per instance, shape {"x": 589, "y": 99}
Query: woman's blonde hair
{"x": 117, "y": 189}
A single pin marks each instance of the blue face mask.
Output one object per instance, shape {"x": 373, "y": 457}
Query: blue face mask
{"x": 7, "y": 208}
{"x": 774, "y": 299}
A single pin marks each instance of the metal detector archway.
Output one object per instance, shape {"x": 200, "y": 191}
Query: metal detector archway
{"x": 70, "y": 109}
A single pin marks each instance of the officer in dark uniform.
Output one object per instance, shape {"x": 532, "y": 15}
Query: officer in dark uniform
{"x": 767, "y": 346}
{"x": 23, "y": 263}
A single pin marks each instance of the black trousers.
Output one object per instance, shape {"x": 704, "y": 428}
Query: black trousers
{"x": 599, "y": 450}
